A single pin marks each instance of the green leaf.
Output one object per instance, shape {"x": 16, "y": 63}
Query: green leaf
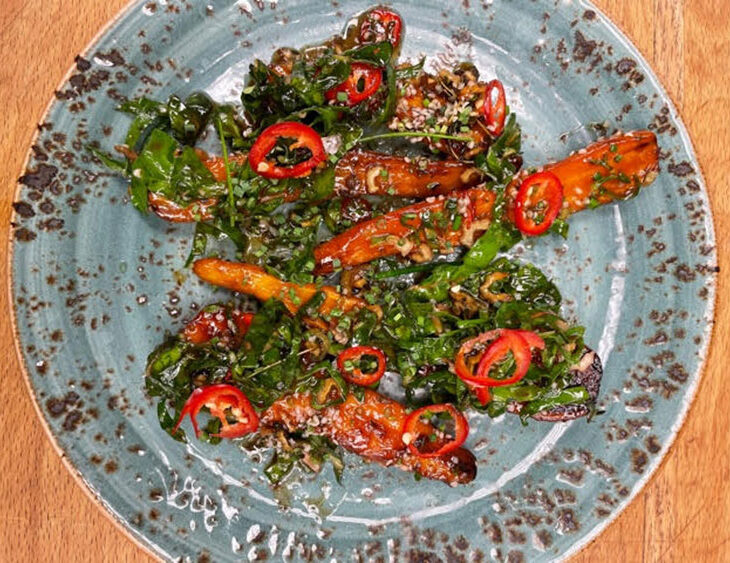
{"x": 499, "y": 237}
{"x": 190, "y": 178}
{"x": 259, "y": 332}
{"x": 229, "y": 124}
{"x": 569, "y": 396}
{"x": 496, "y": 163}
{"x": 152, "y": 169}
{"x": 410, "y": 71}
{"x": 378, "y": 54}
{"x": 148, "y": 113}
{"x": 322, "y": 185}
{"x": 189, "y": 118}
{"x": 160, "y": 169}
{"x": 118, "y": 166}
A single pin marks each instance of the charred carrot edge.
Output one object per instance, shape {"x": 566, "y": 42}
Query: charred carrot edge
{"x": 369, "y": 172}
{"x": 633, "y": 156}
{"x": 170, "y": 211}
{"x": 253, "y": 280}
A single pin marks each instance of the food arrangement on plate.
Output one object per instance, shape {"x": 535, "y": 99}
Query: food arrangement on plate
{"x": 363, "y": 211}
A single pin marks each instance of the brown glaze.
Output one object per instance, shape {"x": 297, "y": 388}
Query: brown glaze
{"x": 371, "y": 428}
{"x": 369, "y": 172}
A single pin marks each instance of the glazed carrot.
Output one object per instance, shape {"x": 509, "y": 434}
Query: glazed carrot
{"x": 410, "y": 231}
{"x": 369, "y": 172}
{"x": 605, "y": 171}
{"x": 253, "y": 280}
{"x": 371, "y": 428}
{"x": 443, "y": 97}
{"x": 170, "y": 211}
{"x": 611, "y": 169}
{"x": 217, "y": 166}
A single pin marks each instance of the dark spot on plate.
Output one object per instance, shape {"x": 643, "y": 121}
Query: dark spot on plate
{"x": 625, "y": 66}
{"x": 640, "y": 404}
{"x": 681, "y": 170}
{"x": 81, "y": 63}
{"x": 72, "y": 421}
{"x": 652, "y": 444}
{"x": 684, "y": 273}
{"x": 583, "y": 47}
{"x": 39, "y": 178}
{"x": 25, "y": 210}
{"x": 677, "y": 373}
{"x": 56, "y": 407}
{"x": 567, "y": 523}
{"x": 639, "y": 459}
{"x": 113, "y": 57}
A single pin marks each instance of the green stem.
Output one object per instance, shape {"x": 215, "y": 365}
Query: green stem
{"x": 426, "y": 134}
{"x": 229, "y": 183}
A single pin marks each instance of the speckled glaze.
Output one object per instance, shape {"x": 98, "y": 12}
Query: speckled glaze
{"x": 96, "y": 285}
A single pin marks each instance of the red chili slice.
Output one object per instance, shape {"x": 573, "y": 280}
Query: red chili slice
{"x": 508, "y": 341}
{"x": 519, "y": 342}
{"x": 417, "y": 433}
{"x": 462, "y": 370}
{"x": 304, "y": 136}
{"x": 483, "y": 395}
{"x": 355, "y": 374}
{"x": 533, "y": 339}
{"x": 219, "y": 399}
{"x": 538, "y": 203}
{"x": 382, "y": 24}
{"x": 363, "y": 82}
{"x": 495, "y": 107}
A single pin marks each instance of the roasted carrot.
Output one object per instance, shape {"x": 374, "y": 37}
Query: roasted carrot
{"x": 217, "y": 165}
{"x": 445, "y": 100}
{"x": 369, "y": 172}
{"x": 371, "y": 428}
{"x": 441, "y": 221}
{"x": 253, "y": 280}
{"x": 605, "y": 171}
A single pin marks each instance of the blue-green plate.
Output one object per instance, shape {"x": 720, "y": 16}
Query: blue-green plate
{"x": 96, "y": 285}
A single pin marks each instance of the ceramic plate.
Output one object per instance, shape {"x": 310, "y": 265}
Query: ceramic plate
{"x": 96, "y": 285}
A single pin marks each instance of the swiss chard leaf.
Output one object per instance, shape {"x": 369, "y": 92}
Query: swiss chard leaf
{"x": 161, "y": 168}
{"x": 152, "y": 169}
{"x": 147, "y": 113}
{"x": 189, "y": 118}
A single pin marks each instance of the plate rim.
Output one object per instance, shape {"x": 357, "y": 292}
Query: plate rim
{"x": 143, "y": 542}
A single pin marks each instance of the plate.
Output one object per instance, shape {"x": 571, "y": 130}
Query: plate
{"x": 96, "y": 285}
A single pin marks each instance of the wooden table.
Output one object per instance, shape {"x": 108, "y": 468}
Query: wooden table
{"x": 684, "y": 512}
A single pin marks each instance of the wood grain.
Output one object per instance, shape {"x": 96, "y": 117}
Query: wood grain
{"x": 684, "y": 512}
